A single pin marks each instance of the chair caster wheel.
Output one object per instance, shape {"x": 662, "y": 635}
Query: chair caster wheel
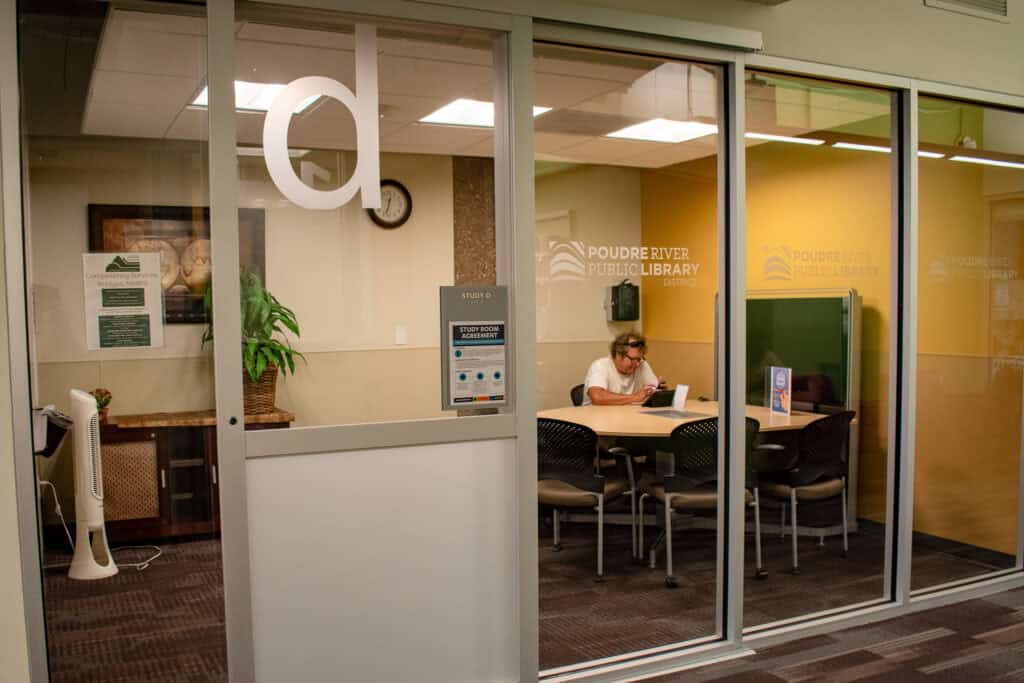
{"x": 556, "y": 548}
{"x": 795, "y": 571}
{"x": 844, "y": 554}
{"x": 671, "y": 582}
{"x": 599, "y": 578}
{"x": 761, "y": 575}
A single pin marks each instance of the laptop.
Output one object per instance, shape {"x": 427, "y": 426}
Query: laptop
{"x": 678, "y": 404}
{"x": 660, "y": 399}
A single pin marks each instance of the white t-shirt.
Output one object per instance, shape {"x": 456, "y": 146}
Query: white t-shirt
{"x": 602, "y": 373}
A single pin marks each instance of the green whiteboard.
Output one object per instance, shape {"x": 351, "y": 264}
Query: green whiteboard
{"x": 809, "y": 335}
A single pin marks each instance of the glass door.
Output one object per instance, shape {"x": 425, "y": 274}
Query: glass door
{"x": 118, "y": 238}
{"x": 627, "y": 164}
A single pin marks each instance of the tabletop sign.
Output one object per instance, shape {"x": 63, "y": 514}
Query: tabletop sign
{"x": 123, "y": 301}
{"x": 474, "y": 347}
{"x": 782, "y": 390}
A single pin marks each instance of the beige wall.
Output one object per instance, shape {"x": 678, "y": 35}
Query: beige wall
{"x": 902, "y": 37}
{"x": 598, "y": 206}
{"x": 13, "y": 637}
{"x": 350, "y": 284}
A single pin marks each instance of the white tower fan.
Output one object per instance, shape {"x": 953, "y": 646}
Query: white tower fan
{"x": 92, "y": 559}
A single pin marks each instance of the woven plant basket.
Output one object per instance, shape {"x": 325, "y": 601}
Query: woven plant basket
{"x": 259, "y": 395}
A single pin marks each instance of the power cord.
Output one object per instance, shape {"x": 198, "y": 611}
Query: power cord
{"x": 139, "y": 566}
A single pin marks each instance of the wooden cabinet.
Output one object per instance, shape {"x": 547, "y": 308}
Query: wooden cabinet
{"x": 160, "y": 475}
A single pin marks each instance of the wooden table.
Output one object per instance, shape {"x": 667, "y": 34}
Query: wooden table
{"x": 639, "y": 421}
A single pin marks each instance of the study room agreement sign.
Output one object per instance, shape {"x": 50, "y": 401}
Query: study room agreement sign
{"x": 123, "y": 301}
{"x": 474, "y": 347}
{"x": 478, "y": 362}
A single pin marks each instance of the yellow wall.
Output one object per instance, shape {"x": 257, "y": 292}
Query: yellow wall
{"x": 802, "y": 201}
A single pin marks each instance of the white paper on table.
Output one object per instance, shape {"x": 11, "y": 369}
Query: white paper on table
{"x": 679, "y": 398}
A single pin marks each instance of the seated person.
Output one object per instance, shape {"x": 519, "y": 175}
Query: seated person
{"x": 622, "y": 378}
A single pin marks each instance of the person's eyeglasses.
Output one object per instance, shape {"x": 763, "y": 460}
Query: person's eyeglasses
{"x": 635, "y": 360}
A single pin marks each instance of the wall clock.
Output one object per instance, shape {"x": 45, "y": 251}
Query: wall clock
{"x": 395, "y": 205}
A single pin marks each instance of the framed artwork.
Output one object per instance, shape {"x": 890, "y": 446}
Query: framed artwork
{"x": 181, "y": 235}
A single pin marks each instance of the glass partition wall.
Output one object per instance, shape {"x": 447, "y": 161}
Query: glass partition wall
{"x": 379, "y": 270}
{"x": 970, "y": 342}
{"x": 118, "y": 243}
{"x": 627, "y": 186}
{"x": 819, "y": 287}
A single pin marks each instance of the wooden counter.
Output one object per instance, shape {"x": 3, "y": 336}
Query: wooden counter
{"x": 195, "y": 418}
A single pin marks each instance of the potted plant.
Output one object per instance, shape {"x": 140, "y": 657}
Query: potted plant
{"x": 103, "y": 398}
{"x": 265, "y": 349}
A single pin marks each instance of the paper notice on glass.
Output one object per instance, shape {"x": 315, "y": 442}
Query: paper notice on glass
{"x": 782, "y": 395}
{"x": 124, "y": 304}
{"x": 477, "y": 362}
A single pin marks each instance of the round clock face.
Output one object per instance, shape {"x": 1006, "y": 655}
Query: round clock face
{"x": 395, "y": 205}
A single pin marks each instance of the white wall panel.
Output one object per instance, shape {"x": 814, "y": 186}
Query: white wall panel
{"x": 385, "y": 565}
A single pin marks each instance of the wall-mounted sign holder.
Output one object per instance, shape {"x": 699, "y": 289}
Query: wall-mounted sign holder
{"x": 474, "y": 347}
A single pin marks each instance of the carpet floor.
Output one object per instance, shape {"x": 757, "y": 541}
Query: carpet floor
{"x": 162, "y": 624}
{"x": 977, "y": 640}
{"x": 167, "y": 622}
{"x": 632, "y": 609}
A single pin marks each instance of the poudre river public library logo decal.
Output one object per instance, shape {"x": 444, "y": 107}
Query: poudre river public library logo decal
{"x": 570, "y": 260}
{"x": 785, "y": 262}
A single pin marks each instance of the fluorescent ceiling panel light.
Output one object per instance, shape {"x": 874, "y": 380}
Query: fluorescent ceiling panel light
{"x": 466, "y": 112}
{"x": 784, "y": 138}
{"x": 886, "y": 150}
{"x": 258, "y": 152}
{"x": 254, "y": 97}
{"x": 862, "y": 148}
{"x": 988, "y": 162}
{"x": 665, "y": 130}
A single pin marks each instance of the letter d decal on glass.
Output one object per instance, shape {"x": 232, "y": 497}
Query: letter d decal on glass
{"x": 363, "y": 105}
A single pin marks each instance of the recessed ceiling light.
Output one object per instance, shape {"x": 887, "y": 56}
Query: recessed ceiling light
{"x": 784, "y": 138}
{"x": 862, "y": 148}
{"x": 665, "y": 130}
{"x": 254, "y": 97}
{"x": 988, "y": 162}
{"x": 466, "y": 112}
{"x": 886, "y": 150}
{"x": 258, "y": 152}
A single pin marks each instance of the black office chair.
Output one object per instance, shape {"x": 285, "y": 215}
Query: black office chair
{"x": 568, "y": 476}
{"x": 692, "y": 482}
{"x": 818, "y": 472}
{"x": 610, "y": 457}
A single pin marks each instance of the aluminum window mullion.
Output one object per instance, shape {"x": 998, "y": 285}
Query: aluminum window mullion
{"x": 903, "y": 350}
{"x": 223, "y": 170}
{"x": 516, "y": 159}
{"x": 732, "y": 280}
{"x": 413, "y": 10}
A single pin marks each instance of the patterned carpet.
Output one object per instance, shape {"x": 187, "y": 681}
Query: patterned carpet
{"x": 167, "y": 622}
{"x": 632, "y": 609}
{"x": 162, "y": 624}
{"x": 977, "y": 640}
